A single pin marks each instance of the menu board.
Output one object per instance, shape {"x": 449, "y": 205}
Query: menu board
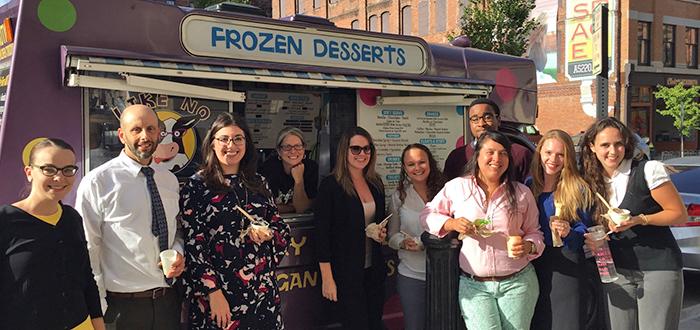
{"x": 268, "y": 112}
{"x": 396, "y": 126}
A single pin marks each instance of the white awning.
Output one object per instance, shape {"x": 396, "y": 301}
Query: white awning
{"x": 80, "y": 67}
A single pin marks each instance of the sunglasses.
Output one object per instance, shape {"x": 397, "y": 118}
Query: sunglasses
{"x": 50, "y": 170}
{"x": 356, "y": 149}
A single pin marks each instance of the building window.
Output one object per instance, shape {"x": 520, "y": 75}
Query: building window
{"x": 643, "y": 43}
{"x": 298, "y": 4}
{"x": 440, "y": 15}
{"x": 691, "y": 47}
{"x": 669, "y": 45}
{"x": 406, "y": 20}
{"x": 355, "y": 25}
{"x": 373, "y": 23}
{"x": 332, "y": 1}
{"x": 385, "y": 21}
{"x": 423, "y": 17}
{"x": 317, "y": 4}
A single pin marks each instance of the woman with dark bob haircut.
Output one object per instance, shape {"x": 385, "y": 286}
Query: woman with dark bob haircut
{"x": 234, "y": 236}
{"x": 649, "y": 292}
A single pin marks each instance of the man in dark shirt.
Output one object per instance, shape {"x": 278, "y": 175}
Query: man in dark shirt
{"x": 484, "y": 114}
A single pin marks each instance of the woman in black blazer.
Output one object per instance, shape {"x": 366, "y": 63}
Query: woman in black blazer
{"x": 352, "y": 266}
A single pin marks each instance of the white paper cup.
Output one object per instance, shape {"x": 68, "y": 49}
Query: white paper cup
{"x": 167, "y": 258}
{"x": 513, "y": 240}
{"x": 618, "y": 215}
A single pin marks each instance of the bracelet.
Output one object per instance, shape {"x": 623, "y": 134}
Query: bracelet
{"x": 645, "y": 220}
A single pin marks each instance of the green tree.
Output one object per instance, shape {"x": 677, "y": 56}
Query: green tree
{"x": 681, "y": 104}
{"x": 501, "y": 26}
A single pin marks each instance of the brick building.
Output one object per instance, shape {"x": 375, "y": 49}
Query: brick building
{"x": 655, "y": 42}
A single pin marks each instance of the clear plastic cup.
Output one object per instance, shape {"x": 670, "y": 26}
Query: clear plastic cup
{"x": 603, "y": 256}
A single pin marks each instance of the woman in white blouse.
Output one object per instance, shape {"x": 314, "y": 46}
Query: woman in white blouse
{"x": 649, "y": 292}
{"x": 420, "y": 181}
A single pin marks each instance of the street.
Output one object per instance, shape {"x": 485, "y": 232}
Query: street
{"x": 690, "y": 315}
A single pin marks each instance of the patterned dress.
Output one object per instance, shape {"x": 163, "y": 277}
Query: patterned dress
{"x": 219, "y": 257}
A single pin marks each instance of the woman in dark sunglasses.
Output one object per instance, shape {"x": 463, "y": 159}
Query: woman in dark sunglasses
{"x": 351, "y": 263}
{"x": 45, "y": 277}
{"x": 293, "y": 178}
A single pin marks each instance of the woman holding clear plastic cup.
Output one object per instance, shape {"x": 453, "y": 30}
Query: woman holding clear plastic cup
{"x": 497, "y": 219}
{"x": 234, "y": 236}
{"x": 564, "y": 200}
{"x": 46, "y": 281}
{"x": 649, "y": 291}
{"x": 420, "y": 180}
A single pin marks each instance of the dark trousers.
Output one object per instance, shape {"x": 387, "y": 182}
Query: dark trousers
{"x": 162, "y": 313}
{"x": 361, "y": 303}
{"x": 559, "y": 303}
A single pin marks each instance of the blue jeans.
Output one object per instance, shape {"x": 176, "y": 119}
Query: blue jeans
{"x": 508, "y": 304}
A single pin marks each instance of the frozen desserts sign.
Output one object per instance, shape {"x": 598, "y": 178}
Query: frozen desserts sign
{"x": 237, "y": 39}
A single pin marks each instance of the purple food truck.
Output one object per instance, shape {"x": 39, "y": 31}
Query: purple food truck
{"x": 68, "y": 67}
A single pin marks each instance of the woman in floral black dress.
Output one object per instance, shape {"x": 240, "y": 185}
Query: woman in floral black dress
{"x": 230, "y": 278}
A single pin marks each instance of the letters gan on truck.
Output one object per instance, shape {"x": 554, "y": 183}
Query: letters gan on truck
{"x": 67, "y": 68}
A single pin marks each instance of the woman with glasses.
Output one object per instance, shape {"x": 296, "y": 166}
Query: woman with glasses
{"x": 564, "y": 201}
{"x": 419, "y": 182}
{"x": 649, "y": 291}
{"x": 234, "y": 236}
{"x": 45, "y": 277}
{"x": 292, "y": 178}
{"x": 497, "y": 220}
{"x": 351, "y": 263}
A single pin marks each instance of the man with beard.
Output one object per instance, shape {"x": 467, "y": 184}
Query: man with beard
{"x": 129, "y": 211}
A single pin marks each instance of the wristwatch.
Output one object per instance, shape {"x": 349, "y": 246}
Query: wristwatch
{"x": 533, "y": 247}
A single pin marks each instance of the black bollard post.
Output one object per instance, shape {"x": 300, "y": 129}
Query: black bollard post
{"x": 442, "y": 282}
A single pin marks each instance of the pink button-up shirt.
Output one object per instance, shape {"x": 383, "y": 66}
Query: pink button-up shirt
{"x": 462, "y": 197}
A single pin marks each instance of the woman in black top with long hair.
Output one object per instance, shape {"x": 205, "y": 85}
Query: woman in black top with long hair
{"x": 45, "y": 277}
{"x": 351, "y": 264}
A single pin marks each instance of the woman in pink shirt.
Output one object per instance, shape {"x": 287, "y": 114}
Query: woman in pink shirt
{"x": 498, "y": 287}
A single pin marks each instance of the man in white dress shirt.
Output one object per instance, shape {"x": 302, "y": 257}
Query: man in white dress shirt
{"x": 116, "y": 206}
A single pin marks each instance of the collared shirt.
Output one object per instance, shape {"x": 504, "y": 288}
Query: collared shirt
{"x": 462, "y": 197}
{"x": 654, "y": 173}
{"x": 405, "y": 218}
{"x": 116, "y": 207}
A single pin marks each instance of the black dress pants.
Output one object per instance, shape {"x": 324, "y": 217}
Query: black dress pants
{"x": 128, "y": 313}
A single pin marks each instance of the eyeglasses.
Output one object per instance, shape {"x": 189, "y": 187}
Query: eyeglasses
{"x": 50, "y": 170}
{"x": 356, "y": 149}
{"x": 289, "y": 147}
{"x": 487, "y": 117}
{"x": 238, "y": 140}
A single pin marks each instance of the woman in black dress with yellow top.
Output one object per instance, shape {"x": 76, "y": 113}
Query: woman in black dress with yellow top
{"x": 352, "y": 266}
{"x": 46, "y": 279}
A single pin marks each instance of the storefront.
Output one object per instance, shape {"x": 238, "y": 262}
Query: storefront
{"x": 643, "y": 118}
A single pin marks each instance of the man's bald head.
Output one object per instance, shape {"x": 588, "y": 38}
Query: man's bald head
{"x": 137, "y": 111}
{"x": 139, "y": 132}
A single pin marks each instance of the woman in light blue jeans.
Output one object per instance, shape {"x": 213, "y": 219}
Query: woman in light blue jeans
{"x": 510, "y": 302}
{"x": 498, "y": 222}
